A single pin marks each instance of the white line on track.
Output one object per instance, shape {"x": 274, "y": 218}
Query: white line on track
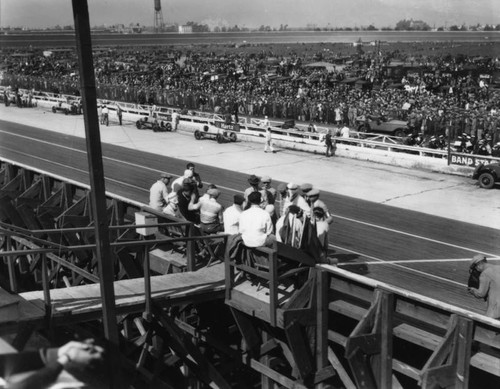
{"x": 413, "y": 235}
{"x": 378, "y": 260}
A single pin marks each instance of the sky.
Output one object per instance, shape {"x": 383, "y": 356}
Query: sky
{"x": 254, "y": 13}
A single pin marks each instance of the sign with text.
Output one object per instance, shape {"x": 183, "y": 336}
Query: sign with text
{"x": 470, "y": 160}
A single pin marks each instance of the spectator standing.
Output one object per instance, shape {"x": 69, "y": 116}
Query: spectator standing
{"x": 280, "y": 200}
{"x": 196, "y": 176}
{"x": 184, "y": 195}
{"x": 231, "y": 216}
{"x": 158, "y": 193}
{"x": 489, "y": 284}
{"x": 269, "y": 141}
{"x": 119, "y": 113}
{"x": 329, "y": 142}
{"x": 289, "y": 227}
{"x": 105, "y": 115}
{"x": 175, "y": 120}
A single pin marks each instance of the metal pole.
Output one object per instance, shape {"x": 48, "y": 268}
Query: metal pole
{"x": 98, "y": 191}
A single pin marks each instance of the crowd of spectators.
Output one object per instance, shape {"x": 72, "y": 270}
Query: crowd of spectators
{"x": 260, "y": 215}
{"x": 438, "y": 94}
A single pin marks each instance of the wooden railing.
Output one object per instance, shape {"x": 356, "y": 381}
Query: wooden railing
{"x": 424, "y": 339}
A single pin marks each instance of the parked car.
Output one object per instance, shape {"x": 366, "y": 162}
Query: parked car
{"x": 382, "y": 125}
{"x": 155, "y": 125}
{"x": 219, "y": 133}
{"x": 487, "y": 175}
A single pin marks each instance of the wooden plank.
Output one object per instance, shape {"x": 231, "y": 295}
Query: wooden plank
{"x": 486, "y": 362}
{"x": 344, "y": 377}
{"x": 278, "y": 377}
{"x": 417, "y": 336}
{"x": 347, "y": 309}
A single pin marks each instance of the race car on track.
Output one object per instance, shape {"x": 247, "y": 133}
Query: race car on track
{"x": 487, "y": 174}
{"x": 155, "y": 125}
{"x": 68, "y": 106}
{"x": 381, "y": 125}
{"x": 219, "y": 131}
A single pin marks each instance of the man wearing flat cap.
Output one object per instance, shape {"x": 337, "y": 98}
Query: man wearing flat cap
{"x": 315, "y": 202}
{"x": 158, "y": 193}
{"x": 489, "y": 284}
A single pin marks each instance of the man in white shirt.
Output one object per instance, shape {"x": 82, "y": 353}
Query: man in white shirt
{"x": 345, "y": 132}
{"x": 231, "y": 215}
{"x": 255, "y": 224}
{"x": 158, "y": 193}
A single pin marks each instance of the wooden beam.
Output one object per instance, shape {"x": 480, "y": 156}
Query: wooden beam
{"x": 322, "y": 349}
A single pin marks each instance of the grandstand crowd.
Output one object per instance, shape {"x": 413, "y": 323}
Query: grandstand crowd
{"x": 436, "y": 94}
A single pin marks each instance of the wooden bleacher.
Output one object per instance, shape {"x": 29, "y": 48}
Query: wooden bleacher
{"x": 81, "y": 303}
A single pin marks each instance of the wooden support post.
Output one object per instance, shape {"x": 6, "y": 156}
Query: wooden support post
{"x": 369, "y": 347}
{"x": 385, "y": 314}
{"x": 11, "y": 262}
{"x": 449, "y": 364}
{"x": 266, "y": 382}
{"x": 322, "y": 286}
{"x": 248, "y": 331}
{"x": 464, "y": 343}
{"x": 98, "y": 190}
{"x": 297, "y": 340}
{"x": 46, "y": 289}
{"x": 191, "y": 249}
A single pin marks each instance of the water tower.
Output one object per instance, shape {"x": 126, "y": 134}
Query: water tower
{"x": 158, "y": 16}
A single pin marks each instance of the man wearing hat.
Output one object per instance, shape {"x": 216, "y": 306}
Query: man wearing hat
{"x": 489, "y": 284}
{"x": 158, "y": 192}
{"x": 315, "y": 202}
{"x": 266, "y": 197}
{"x": 210, "y": 211}
{"x": 294, "y": 197}
{"x": 231, "y": 215}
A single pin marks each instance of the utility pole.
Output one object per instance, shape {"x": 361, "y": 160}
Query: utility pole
{"x": 98, "y": 191}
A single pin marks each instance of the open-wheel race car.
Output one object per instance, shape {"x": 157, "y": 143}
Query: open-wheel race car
{"x": 219, "y": 131}
{"x": 155, "y": 125}
{"x": 69, "y": 106}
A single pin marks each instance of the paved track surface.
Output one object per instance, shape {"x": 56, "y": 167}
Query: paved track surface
{"x": 364, "y": 231}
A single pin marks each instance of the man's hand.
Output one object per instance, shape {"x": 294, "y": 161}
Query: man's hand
{"x": 80, "y": 354}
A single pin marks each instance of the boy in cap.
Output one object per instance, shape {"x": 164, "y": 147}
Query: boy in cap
{"x": 158, "y": 192}
{"x": 489, "y": 284}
